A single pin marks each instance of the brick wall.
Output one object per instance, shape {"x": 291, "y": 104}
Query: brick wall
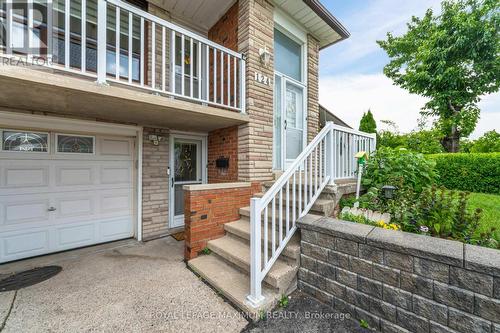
{"x": 255, "y": 141}
{"x": 223, "y": 142}
{"x": 225, "y": 32}
{"x": 155, "y": 185}
{"x": 208, "y": 207}
{"x": 312, "y": 87}
{"x": 401, "y": 282}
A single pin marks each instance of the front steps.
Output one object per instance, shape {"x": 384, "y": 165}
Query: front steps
{"x": 227, "y": 267}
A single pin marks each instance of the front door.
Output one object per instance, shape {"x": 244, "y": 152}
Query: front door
{"x": 187, "y": 155}
{"x": 289, "y": 100}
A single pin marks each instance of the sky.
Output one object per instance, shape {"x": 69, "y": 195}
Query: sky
{"x": 351, "y": 72}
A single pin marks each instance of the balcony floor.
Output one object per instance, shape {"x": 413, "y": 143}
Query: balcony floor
{"x": 45, "y": 90}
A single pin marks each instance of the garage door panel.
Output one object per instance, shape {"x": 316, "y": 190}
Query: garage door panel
{"x": 116, "y": 202}
{"x": 22, "y": 176}
{"x": 70, "y": 175}
{"x": 115, "y": 229}
{"x": 18, "y": 210}
{"x": 76, "y": 235}
{"x": 115, "y": 147}
{"x": 20, "y": 245}
{"x": 76, "y": 206}
{"x": 119, "y": 174}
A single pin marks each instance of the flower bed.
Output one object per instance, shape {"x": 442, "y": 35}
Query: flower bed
{"x": 417, "y": 205}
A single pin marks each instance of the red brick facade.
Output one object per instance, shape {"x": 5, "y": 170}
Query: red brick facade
{"x": 225, "y": 33}
{"x": 223, "y": 143}
{"x": 206, "y": 211}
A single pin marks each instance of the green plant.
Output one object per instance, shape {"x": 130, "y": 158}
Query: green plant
{"x": 367, "y": 123}
{"x": 444, "y": 214}
{"x": 355, "y": 218}
{"x": 206, "y": 251}
{"x": 398, "y": 167}
{"x": 347, "y": 201}
{"x": 469, "y": 172}
{"x": 283, "y": 302}
{"x": 452, "y": 59}
{"x": 363, "y": 323}
{"x": 488, "y": 143}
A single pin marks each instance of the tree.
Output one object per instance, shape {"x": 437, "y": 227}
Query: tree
{"x": 452, "y": 59}
{"x": 488, "y": 143}
{"x": 367, "y": 123}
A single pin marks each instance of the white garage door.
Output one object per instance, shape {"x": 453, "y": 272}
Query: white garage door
{"x": 60, "y": 191}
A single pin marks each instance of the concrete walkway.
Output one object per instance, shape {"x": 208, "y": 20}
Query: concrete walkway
{"x": 124, "y": 286}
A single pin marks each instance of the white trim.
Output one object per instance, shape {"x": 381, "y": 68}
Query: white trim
{"x": 56, "y": 147}
{"x": 139, "y": 143}
{"x": 292, "y": 29}
{"x": 204, "y": 168}
{"x": 59, "y": 124}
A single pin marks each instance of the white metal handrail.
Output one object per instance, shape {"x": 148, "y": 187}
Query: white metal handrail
{"x": 307, "y": 176}
{"x": 346, "y": 143}
{"x": 131, "y": 47}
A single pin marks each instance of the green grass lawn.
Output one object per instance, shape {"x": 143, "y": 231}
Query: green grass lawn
{"x": 490, "y": 204}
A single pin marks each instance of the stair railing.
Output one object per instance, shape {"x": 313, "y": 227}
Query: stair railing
{"x": 273, "y": 217}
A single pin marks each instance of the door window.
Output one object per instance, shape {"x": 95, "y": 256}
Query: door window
{"x": 288, "y": 56}
{"x": 294, "y": 120}
{"x": 25, "y": 141}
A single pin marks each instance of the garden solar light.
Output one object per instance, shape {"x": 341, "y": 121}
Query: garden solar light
{"x": 388, "y": 191}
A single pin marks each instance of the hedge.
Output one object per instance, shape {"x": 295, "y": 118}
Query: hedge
{"x": 474, "y": 172}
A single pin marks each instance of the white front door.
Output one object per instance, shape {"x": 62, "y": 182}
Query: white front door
{"x": 188, "y": 167}
{"x": 60, "y": 191}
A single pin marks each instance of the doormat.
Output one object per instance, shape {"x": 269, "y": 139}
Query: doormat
{"x": 28, "y": 278}
{"x": 180, "y": 236}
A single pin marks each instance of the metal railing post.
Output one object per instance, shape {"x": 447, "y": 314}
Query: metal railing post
{"x": 101, "y": 41}
{"x": 255, "y": 298}
{"x": 329, "y": 156}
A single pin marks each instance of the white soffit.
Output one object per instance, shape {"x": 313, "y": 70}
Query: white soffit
{"x": 302, "y": 13}
{"x": 201, "y": 14}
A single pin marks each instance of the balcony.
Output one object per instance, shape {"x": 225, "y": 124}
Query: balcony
{"x": 117, "y": 44}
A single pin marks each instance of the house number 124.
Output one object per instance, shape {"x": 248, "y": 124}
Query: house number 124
{"x": 261, "y": 78}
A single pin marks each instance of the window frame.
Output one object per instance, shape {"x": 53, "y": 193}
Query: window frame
{"x": 3, "y": 130}
{"x": 56, "y": 147}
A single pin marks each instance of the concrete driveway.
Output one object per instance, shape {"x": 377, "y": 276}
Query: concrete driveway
{"x": 123, "y": 286}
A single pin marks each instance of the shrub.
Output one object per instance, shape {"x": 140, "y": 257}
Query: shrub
{"x": 399, "y": 167}
{"x": 469, "y": 172}
{"x": 488, "y": 143}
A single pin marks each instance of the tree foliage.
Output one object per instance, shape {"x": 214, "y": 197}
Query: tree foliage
{"x": 367, "y": 123}
{"x": 452, "y": 59}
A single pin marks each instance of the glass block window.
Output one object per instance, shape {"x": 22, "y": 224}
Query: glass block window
{"x": 25, "y": 141}
{"x": 75, "y": 144}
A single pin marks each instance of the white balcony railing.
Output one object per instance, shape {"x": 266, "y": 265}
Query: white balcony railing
{"x": 117, "y": 42}
{"x": 329, "y": 156}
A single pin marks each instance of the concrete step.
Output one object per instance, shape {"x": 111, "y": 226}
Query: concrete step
{"x": 232, "y": 283}
{"x": 322, "y": 206}
{"x": 280, "y": 276}
{"x": 241, "y": 230}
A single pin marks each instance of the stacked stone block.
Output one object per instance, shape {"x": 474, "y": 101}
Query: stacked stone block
{"x": 401, "y": 282}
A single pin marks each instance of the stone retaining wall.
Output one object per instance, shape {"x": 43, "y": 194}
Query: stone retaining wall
{"x": 398, "y": 281}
